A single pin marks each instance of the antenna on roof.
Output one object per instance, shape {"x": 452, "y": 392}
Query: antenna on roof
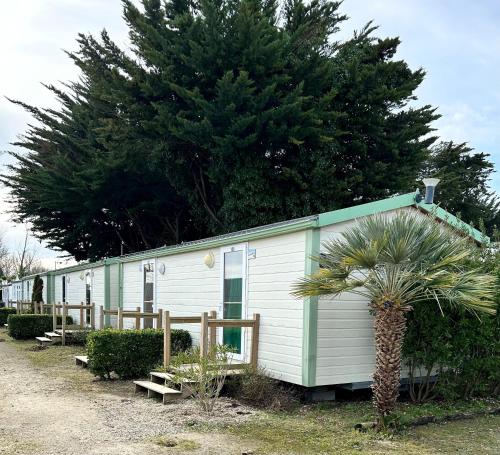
{"x": 430, "y": 186}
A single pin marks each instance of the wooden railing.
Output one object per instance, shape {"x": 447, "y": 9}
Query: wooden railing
{"x": 208, "y": 333}
{"x": 137, "y": 315}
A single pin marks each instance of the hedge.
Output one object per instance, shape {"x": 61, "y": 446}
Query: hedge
{"x": 25, "y": 326}
{"x": 130, "y": 353}
{"x": 4, "y": 314}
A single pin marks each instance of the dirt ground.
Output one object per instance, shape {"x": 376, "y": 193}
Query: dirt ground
{"x": 50, "y": 406}
{"x": 50, "y": 410}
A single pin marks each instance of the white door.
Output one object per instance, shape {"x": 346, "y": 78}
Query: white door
{"x": 148, "y": 291}
{"x": 233, "y": 296}
{"x": 88, "y": 294}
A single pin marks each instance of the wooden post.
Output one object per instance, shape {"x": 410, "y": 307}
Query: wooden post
{"x": 92, "y": 316}
{"x": 54, "y": 317}
{"x": 81, "y": 316}
{"x": 101, "y": 317}
{"x": 204, "y": 335}
{"x": 35, "y": 308}
{"x": 120, "y": 319}
{"x": 138, "y": 318}
{"x": 159, "y": 320}
{"x": 213, "y": 330}
{"x": 63, "y": 325}
{"x": 166, "y": 339}
{"x": 254, "y": 354}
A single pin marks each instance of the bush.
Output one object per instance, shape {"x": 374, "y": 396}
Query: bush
{"x": 79, "y": 337}
{"x": 258, "y": 389}
{"x": 25, "y": 326}
{"x": 130, "y": 353}
{"x": 463, "y": 349}
{"x": 205, "y": 375}
{"x": 4, "y": 314}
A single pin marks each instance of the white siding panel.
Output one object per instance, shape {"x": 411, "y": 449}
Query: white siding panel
{"x": 278, "y": 264}
{"x": 75, "y": 292}
{"x": 97, "y": 294}
{"x": 189, "y": 288}
{"x": 132, "y": 290}
{"x": 345, "y": 348}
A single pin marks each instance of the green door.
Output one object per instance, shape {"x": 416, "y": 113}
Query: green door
{"x": 233, "y": 294}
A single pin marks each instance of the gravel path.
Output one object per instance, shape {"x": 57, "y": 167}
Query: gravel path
{"x": 70, "y": 413}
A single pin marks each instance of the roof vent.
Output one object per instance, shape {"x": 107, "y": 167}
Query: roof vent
{"x": 430, "y": 186}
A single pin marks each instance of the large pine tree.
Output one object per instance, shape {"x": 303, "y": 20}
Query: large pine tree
{"x": 227, "y": 114}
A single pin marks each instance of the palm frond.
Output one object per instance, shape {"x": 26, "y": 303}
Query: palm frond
{"x": 407, "y": 257}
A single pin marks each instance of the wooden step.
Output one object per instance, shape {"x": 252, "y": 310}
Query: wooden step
{"x": 43, "y": 341}
{"x": 184, "y": 384}
{"x": 81, "y": 360}
{"x": 153, "y": 389}
{"x": 159, "y": 377}
{"x": 52, "y": 335}
{"x": 6, "y": 325}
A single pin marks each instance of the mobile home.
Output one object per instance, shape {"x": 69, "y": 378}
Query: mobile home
{"x": 309, "y": 342}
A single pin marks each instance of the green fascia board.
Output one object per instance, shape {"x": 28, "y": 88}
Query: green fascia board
{"x": 310, "y": 312}
{"x": 455, "y": 222}
{"x": 315, "y": 221}
{"x": 223, "y": 240}
{"x": 397, "y": 202}
{"x": 371, "y": 208}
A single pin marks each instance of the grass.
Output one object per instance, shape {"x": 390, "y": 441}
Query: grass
{"x": 324, "y": 429}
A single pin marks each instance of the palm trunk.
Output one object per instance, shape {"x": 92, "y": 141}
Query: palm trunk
{"x": 390, "y": 328}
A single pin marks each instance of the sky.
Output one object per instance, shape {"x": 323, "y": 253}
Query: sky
{"x": 457, "y": 42}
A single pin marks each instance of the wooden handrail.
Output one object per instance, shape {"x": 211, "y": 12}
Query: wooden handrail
{"x": 208, "y": 333}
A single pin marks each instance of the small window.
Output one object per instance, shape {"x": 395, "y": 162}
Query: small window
{"x": 63, "y": 288}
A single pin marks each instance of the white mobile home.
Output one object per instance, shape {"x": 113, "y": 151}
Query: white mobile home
{"x": 308, "y": 342}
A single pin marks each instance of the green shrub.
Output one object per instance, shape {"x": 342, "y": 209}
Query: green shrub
{"x": 130, "y": 353}
{"x": 463, "y": 349}
{"x": 25, "y": 326}
{"x": 79, "y": 337}
{"x": 255, "y": 387}
{"x": 4, "y": 314}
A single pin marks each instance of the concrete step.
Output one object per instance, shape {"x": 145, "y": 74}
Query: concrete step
{"x": 82, "y": 361}
{"x": 44, "y": 341}
{"x": 154, "y": 389}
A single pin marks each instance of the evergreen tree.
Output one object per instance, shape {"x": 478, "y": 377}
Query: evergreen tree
{"x": 37, "y": 293}
{"x": 227, "y": 114}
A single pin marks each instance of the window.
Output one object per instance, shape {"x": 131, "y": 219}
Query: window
{"x": 88, "y": 294}
{"x": 148, "y": 279}
{"x": 233, "y": 289}
{"x": 63, "y": 278}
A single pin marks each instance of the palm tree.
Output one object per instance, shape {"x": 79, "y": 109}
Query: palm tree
{"x": 395, "y": 262}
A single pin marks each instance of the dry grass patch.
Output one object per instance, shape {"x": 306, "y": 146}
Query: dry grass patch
{"x": 329, "y": 429}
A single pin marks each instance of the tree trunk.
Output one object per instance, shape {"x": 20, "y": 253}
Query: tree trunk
{"x": 390, "y": 328}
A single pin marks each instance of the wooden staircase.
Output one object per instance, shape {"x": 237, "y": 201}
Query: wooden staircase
{"x": 49, "y": 339}
{"x": 81, "y": 361}
{"x": 54, "y": 337}
{"x": 164, "y": 386}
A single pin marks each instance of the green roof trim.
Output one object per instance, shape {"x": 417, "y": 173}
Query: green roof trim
{"x": 455, "y": 222}
{"x": 397, "y": 202}
{"x": 284, "y": 227}
{"x": 370, "y": 208}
